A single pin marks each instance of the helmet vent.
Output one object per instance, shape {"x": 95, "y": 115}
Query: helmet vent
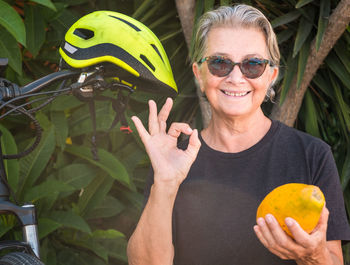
{"x": 144, "y": 58}
{"x": 84, "y": 33}
{"x": 127, "y": 22}
{"x": 155, "y": 48}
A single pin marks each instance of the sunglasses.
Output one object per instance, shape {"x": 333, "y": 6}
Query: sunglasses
{"x": 250, "y": 68}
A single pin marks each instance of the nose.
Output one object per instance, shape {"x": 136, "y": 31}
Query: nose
{"x": 235, "y": 76}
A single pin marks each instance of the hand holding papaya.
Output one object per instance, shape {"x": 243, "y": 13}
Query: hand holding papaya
{"x": 292, "y": 224}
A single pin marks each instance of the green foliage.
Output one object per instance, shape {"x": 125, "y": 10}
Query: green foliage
{"x": 81, "y": 202}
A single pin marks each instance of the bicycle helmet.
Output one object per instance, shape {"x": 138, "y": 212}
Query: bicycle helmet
{"x": 130, "y": 51}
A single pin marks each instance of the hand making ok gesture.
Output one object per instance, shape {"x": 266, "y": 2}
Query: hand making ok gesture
{"x": 170, "y": 164}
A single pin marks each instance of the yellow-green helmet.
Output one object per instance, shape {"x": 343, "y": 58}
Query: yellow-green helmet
{"x": 132, "y": 53}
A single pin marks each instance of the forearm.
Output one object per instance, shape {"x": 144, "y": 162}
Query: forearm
{"x": 151, "y": 242}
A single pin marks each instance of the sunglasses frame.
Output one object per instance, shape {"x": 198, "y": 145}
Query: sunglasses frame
{"x": 263, "y": 61}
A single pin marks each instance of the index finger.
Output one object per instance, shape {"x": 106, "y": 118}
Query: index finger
{"x": 144, "y": 135}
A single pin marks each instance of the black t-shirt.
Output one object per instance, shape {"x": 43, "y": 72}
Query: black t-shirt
{"x": 215, "y": 208}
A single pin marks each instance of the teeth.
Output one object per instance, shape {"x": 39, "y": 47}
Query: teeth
{"x": 235, "y": 94}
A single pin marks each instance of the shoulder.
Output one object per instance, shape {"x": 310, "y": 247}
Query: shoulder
{"x": 293, "y": 137}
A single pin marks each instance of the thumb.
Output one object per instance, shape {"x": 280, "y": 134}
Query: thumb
{"x": 194, "y": 144}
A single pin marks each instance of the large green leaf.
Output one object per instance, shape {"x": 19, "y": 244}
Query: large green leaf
{"x": 302, "y": 60}
{"x": 286, "y": 18}
{"x": 35, "y": 28}
{"x": 338, "y": 69}
{"x": 47, "y": 226}
{"x": 345, "y": 173}
{"x": 77, "y": 175}
{"x": 46, "y": 189}
{"x": 107, "y": 162}
{"x": 92, "y": 245}
{"x": 109, "y": 207}
{"x": 341, "y": 49}
{"x": 7, "y": 222}
{"x": 71, "y": 220}
{"x": 32, "y": 165}
{"x": 77, "y": 254}
{"x": 225, "y": 2}
{"x": 304, "y": 29}
{"x": 65, "y": 102}
{"x": 9, "y": 49}
{"x": 208, "y": 5}
{"x": 324, "y": 85}
{"x": 94, "y": 193}
{"x": 113, "y": 241}
{"x": 107, "y": 234}
{"x": 80, "y": 121}
{"x": 60, "y": 123}
{"x": 9, "y": 146}
{"x": 311, "y": 115}
{"x": 302, "y": 3}
{"x": 325, "y": 7}
{"x": 341, "y": 107}
{"x": 12, "y": 22}
{"x": 142, "y": 8}
{"x": 162, "y": 20}
{"x": 46, "y": 3}
{"x": 288, "y": 78}
{"x": 284, "y": 35}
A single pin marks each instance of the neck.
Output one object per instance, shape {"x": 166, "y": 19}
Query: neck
{"x": 236, "y": 134}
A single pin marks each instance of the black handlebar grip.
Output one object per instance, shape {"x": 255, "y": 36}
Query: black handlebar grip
{"x": 8, "y": 89}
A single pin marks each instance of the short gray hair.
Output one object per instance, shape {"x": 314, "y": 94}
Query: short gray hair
{"x": 237, "y": 15}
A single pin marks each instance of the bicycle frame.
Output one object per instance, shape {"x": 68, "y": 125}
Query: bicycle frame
{"x": 25, "y": 214}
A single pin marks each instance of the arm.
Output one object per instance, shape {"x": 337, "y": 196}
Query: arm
{"x": 151, "y": 242}
{"x": 305, "y": 249}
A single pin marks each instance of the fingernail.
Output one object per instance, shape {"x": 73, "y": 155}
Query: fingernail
{"x": 289, "y": 221}
{"x": 260, "y": 221}
{"x": 269, "y": 218}
{"x": 189, "y": 130}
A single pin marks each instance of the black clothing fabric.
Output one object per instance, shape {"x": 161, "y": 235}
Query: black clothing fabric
{"x": 215, "y": 208}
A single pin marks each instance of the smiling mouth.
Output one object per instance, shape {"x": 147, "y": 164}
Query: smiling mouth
{"x": 236, "y": 94}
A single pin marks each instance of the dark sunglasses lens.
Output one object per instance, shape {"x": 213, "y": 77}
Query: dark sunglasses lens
{"x": 253, "y": 68}
{"x": 219, "y": 66}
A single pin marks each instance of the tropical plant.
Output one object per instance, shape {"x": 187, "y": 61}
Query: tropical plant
{"x": 86, "y": 208}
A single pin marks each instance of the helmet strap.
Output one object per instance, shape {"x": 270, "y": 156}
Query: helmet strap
{"x": 94, "y": 150}
{"x": 119, "y": 105}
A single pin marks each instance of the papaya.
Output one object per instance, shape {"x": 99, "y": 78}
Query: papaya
{"x": 301, "y": 202}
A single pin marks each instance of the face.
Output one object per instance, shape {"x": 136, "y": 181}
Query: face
{"x": 235, "y": 94}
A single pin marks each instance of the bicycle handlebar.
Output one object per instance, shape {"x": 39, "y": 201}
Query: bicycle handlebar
{"x": 10, "y": 90}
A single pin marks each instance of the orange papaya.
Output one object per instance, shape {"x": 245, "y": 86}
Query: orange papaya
{"x": 299, "y": 201}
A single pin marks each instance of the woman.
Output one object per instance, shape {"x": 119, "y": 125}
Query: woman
{"x": 203, "y": 196}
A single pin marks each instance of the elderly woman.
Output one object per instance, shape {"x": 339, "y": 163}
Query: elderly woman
{"x": 202, "y": 199}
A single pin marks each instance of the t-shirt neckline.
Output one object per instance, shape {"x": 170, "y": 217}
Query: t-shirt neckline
{"x": 268, "y": 137}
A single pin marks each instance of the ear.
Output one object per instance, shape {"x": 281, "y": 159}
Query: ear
{"x": 197, "y": 73}
{"x": 274, "y": 75}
